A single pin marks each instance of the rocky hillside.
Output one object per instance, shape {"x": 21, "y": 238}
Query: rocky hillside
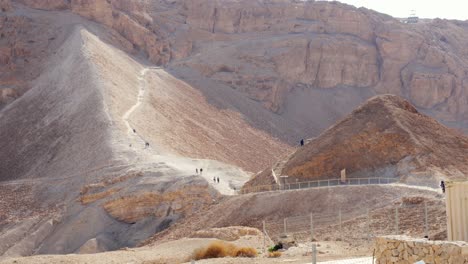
{"x": 109, "y": 108}
{"x": 385, "y": 137}
{"x": 312, "y": 62}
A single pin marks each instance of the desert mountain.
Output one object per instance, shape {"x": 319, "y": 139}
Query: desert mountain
{"x": 110, "y": 108}
{"x": 384, "y": 137}
{"x": 102, "y": 147}
{"x": 311, "y": 62}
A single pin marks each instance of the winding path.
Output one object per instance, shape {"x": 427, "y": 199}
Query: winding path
{"x": 141, "y": 93}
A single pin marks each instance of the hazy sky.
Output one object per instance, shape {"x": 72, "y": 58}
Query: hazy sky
{"x": 451, "y": 9}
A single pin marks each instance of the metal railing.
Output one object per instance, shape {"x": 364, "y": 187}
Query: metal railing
{"x": 317, "y": 184}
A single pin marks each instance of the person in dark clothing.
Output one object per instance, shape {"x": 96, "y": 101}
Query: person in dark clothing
{"x": 201, "y": 170}
{"x": 214, "y": 179}
{"x": 134, "y": 131}
{"x": 146, "y": 145}
{"x": 218, "y": 179}
{"x": 302, "y": 142}
{"x": 196, "y": 170}
{"x": 442, "y": 185}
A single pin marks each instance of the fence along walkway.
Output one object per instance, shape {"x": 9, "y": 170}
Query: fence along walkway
{"x": 350, "y": 232}
{"x": 317, "y": 184}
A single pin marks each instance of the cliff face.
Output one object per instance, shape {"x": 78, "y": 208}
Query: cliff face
{"x": 311, "y": 47}
{"x": 275, "y": 51}
{"x": 385, "y": 137}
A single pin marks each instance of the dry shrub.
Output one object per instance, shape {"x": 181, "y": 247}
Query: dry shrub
{"x": 220, "y": 249}
{"x": 274, "y": 254}
{"x": 246, "y": 252}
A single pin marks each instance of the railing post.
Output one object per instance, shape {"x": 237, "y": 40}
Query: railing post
{"x": 341, "y": 226}
{"x": 397, "y": 219}
{"x": 264, "y": 237}
{"x": 368, "y": 225}
{"x": 426, "y": 222}
{"x": 314, "y": 253}
{"x": 311, "y": 227}
{"x": 284, "y": 226}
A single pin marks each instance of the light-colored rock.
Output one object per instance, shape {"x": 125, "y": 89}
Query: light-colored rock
{"x": 91, "y": 246}
{"x": 451, "y": 252}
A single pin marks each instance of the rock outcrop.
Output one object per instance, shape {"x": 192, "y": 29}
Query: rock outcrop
{"x": 183, "y": 201}
{"x": 385, "y": 137}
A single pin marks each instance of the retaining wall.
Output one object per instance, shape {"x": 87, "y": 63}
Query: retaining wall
{"x": 407, "y": 250}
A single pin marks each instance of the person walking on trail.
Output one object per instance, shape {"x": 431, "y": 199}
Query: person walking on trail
{"x": 134, "y": 130}
{"x": 146, "y": 145}
{"x": 442, "y": 185}
{"x": 196, "y": 170}
{"x": 302, "y": 142}
{"x": 218, "y": 179}
{"x": 214, "y": 179}
{"x": 201, "y": 171}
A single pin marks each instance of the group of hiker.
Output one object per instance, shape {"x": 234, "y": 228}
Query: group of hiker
{"x": 197, "y": 171}
{"x": 146, "y": 143}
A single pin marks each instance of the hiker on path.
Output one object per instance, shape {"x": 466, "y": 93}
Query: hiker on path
{"x": 201, "y": 170}
{"x": 218, "y": 179}
{"x": 134, "y": 130}
{"x": 302, "y": 142}
{"x": 146, "y": 145}
{"x": 214, "y": 179}
{"x": 196, "y": 170}
{"x": 442, "y": 185}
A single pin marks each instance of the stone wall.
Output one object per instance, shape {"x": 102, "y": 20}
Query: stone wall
{"x": 407, "y": 250}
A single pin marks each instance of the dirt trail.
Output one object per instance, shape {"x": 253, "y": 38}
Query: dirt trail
{"x": 141, "y": 94}
{"x": 230, "y": 177}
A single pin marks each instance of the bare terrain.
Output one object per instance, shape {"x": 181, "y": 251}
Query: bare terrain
{"x": 109, "y": 109}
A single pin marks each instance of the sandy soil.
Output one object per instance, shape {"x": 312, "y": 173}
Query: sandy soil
{"x": 180, "y": 251}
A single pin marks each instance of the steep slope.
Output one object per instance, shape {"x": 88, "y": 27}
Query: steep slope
{"x": 40, "y": 143}
{"x": 84, "y": 176}
{"x": 385, "y": 137}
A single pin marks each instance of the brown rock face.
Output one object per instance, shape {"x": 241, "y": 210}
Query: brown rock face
{"x": 385, "y": 137}
{"x": 123, "y": 17}
{"x": 275, "y": 51}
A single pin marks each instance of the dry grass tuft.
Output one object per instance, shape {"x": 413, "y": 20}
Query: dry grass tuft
{"x": 220, "y": 249}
